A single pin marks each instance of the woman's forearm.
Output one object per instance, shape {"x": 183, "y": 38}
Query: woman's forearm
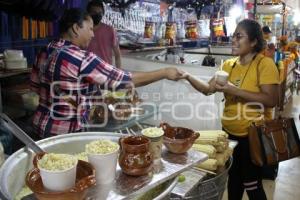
{"x": 200, "y": 85}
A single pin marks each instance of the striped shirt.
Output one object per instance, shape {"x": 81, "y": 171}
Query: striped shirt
{"x": 66, "y": 79}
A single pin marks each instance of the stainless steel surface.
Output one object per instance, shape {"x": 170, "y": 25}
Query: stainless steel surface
{"x": 167, "y": 191}
{"x": 13, "y": 171}
{"x": 19, "y": 133}
{"x": 192, "y": 179}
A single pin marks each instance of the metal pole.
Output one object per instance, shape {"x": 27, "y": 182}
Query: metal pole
{"x": 254, "y": 9}
{"x": 283, "y": 18}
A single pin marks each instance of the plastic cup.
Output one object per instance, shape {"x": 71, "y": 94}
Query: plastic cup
{"x": 105, "y": 166}
{"x": 221, "y": 77}
{"x": 156, "y": 142}
{"x": 59, "y": 180}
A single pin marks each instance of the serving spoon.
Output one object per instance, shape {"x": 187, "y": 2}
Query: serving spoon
{"x": 19, "y": 133}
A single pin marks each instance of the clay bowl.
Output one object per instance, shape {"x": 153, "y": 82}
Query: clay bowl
{"x": 122, "y": 113}
{"x": 178, "y": 139}
{"x": 85, "y": 178}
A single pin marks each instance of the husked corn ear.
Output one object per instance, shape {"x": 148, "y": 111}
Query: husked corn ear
{"x": 208, "y": 140}
{"x": 221, "y": 146}
{"x": 221, "y": 158}
{"x": 229, "y": 151}
{"x": 206, "y": 148}
{"x": 209, "y": 164}
{"x": 219, "y": 134}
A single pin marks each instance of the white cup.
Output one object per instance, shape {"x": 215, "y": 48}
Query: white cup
{"x": 221, "y": 77}
{"x": 156, "y": 139}
{"x": 105, "y": 166}
{"x": 59, "y": 180}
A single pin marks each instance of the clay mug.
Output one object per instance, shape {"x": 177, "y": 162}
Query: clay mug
{"x": 135, "y": 158}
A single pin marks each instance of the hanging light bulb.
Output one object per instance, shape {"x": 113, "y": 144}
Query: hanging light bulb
{"x": 235, "y": 12}
{"x": 296, "y": 17}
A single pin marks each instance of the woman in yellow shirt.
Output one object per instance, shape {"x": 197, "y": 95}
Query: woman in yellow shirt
{"x": 250, "y": 92}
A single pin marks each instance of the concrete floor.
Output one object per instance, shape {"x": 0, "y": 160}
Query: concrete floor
{"x": 286, "y": 185}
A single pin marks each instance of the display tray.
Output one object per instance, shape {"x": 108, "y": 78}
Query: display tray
{"x": 129, "y": 187}
{"x": 125, "y": 187}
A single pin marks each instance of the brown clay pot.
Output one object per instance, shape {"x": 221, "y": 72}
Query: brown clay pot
{"x": 85, "y": 178}
{"x": 135, "y": 158}
{"x": 178, "y": 139}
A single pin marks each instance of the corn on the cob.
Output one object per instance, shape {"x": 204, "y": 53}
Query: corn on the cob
{"x": 219, "y": 134}
{"x": 229, "y": 151}
{"x": 209, "y": 164}
{"x": 221, "y": 146}
{"x": 208, "y": 149}
{"x": 221, "y": 158}
{"x": 210, "y": 140}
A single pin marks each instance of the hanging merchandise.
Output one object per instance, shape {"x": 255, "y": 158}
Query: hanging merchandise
{"x": 204, "y": 28}
{"x": 170, "y": 32}
{"x": 180, "y": 30}
{"x": 218, "y": 27}
{"x": 149, "y": 30}
{"x": 191, "y": 31}
{"x": 160, "y": 33}
{"x": 268, "y": 19}
{"x": 25, "y": 28}
{"x": 34, "y": 29}
{"x": 42, "y": 29}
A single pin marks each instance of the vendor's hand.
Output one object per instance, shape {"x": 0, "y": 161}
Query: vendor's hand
{"x": 186, "y": 75}
{"x": 174, "y": 74}
{"x": 227, "y": 88}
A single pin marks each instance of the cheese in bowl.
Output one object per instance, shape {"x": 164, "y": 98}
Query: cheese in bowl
{"x": 57, "y": 162}
{"x": 101, "y": 147}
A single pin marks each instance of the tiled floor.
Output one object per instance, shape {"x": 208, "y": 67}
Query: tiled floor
{"x": 286, "y": 185}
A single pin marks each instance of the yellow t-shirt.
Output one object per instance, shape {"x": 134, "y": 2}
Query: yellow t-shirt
{"x": 238, "y": 114}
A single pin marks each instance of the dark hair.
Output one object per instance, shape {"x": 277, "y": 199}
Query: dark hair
{"x": 254, "y": 32}
{"x": 70, "y": 17}
{"x": 266, "y": 29}
{"x": 94, "y": 3}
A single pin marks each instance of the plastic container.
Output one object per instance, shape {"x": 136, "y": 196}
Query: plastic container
{"x": 13, "y": 54}
{"x": 16, "y": 64}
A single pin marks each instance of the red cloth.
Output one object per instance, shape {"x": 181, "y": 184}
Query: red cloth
{"x": 104, "y": 40}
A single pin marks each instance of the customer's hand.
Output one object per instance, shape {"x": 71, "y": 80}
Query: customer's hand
{"x": 175, "y": 74}
{"x": 227, "y": 88}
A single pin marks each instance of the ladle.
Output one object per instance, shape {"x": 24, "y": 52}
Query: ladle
{"x": 19, "y": 133}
